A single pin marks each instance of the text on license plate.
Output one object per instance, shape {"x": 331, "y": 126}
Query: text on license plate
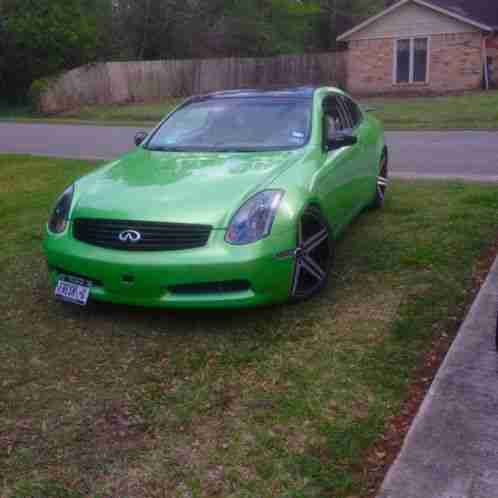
{"x": 72, "y": 290}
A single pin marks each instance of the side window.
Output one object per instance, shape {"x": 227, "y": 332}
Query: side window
{"x": 348, "y": 119}
{"x": 335, "y": 120}
{"x": 354, "y": 111}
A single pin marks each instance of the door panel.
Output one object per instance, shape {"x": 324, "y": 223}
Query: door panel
{"x": 338, "y": 180}
{"x": 336, "y": 186}
{"x": 369, "y": 160}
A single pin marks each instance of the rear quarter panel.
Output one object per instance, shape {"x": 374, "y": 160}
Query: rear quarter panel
{"x": 374, "y": 143}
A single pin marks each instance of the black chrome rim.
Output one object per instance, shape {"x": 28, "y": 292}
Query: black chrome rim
{"x": 382, "y": 179}
{"x": 312, "y": 255}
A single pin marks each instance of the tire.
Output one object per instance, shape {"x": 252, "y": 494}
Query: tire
{"x": 382, "y": 181}
{"x": 313, "y": 256}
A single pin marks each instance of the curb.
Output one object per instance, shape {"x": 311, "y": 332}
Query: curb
{"x": 457, "y": 177}
{"x": 451, "y": 450}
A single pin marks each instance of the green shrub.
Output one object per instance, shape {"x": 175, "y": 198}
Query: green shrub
{"x": 36, "y": 91}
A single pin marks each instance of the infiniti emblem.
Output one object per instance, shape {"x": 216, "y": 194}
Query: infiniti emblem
{"x": 130, "y": 236}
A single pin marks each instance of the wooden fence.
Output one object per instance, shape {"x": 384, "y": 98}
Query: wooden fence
{"x": 119, "y": 82}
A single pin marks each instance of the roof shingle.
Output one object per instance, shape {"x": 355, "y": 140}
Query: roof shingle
{"x": 482, "y": 11}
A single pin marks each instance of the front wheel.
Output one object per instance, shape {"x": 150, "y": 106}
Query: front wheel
{"x": 313, "y": 255}
{"x": 382, "y": 181}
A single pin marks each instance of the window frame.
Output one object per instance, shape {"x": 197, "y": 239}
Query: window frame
{"x": 334, "y": 98}
{"x": 411, "y": 71}
{"x": 342, "y": 104}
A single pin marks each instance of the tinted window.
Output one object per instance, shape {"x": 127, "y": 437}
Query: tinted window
{"x": 354, "y": 111}
{"x": 348, "y": 119}
{"x": 334, "y": 117}
{"x": 236, "y": 124}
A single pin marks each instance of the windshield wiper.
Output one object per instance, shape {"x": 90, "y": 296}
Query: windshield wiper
{"x": 166, "y": 149}
{"x": 221, "y": 150}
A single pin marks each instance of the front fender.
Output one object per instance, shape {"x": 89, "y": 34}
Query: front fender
{"x": 292, "y": 207}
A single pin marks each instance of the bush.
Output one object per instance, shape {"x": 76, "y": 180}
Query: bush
{"x": 41, "y": 38}
{"x": 35, "y": 93}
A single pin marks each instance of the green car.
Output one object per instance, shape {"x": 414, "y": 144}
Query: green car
{"x": 233, "y": 200}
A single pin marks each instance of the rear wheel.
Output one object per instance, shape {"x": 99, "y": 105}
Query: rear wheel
{"x": 382, "y": 181}
{"x": 313, "y": 255}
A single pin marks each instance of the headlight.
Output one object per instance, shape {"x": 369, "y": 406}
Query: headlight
{"x": 253, "y": 221}
{"x": 58, "y": 220}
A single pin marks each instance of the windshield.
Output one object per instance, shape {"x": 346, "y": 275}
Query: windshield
{"x": 236, "y": 124}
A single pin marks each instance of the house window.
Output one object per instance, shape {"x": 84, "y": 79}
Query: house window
{"x": 411, "y": 61}
{"x": 403, "y": 61}
{"x": 420, "y": 59}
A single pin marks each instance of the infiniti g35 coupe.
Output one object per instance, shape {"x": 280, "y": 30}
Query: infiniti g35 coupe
{"x": 234, "y": 199}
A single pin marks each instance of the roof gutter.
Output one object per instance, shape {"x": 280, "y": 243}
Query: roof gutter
{"x": 484, "y": 50}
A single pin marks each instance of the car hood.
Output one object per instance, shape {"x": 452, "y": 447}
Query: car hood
{"x": 178, "y": 187}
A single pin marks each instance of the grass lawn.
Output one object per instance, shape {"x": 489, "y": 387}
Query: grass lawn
{"x": 470, "y": 111}
{"x": 113, "y": 401}
{"x": 134, "y": 114}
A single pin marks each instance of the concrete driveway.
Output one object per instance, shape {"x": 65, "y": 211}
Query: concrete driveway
{"x": 470, "y": 155}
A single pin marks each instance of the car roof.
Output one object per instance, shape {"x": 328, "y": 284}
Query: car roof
{"x": 305, "y": 92}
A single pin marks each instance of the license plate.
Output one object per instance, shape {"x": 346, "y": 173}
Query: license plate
{"x": 73, "y": 290}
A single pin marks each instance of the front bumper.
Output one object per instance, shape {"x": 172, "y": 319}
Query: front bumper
{"x": 147, "y": 278}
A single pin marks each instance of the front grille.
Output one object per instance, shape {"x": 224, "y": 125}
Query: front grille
{"x": 153, "y": 236}
{"x": 211, "y": 287}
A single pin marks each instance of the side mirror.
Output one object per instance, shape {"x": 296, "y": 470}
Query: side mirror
{"x": 140, "y": 137}
{"x": 341, "y": 140}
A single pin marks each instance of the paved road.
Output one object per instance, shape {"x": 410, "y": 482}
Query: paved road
{"x": 71, "y": 141}
{"x": 472, "y": 155}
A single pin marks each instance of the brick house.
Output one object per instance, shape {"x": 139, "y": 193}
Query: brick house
{"x": 424, "y": 46}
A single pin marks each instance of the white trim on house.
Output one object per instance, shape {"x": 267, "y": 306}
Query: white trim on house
{"x": 428, "y": 69}
{"x": 371, "y": 20}
{"x": 421, "y": 34}
{"x": 429, "y": 48}
{"x": 422, "y": 3}
{"x": 395, "y": 60}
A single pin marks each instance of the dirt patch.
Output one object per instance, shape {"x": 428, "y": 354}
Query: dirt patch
{"x": 114, "y": 425}
{"x": 382, "y": 454}
{"x": 21, "y": 435}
